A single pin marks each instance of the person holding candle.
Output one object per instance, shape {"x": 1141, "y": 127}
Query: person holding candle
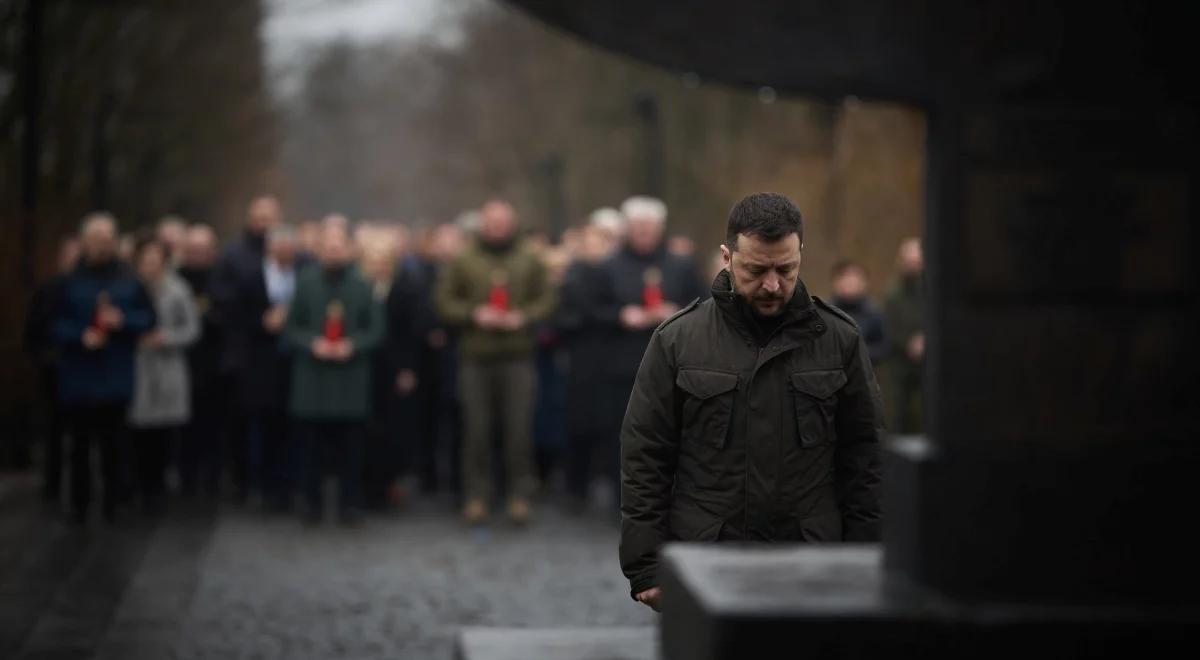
{"x": 644, "y": 284}
{"x": 495, "y": 291}
{"x": 333, "y": 325}
{"x": 101, "y": 312}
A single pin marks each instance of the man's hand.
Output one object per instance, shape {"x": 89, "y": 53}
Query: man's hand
{"x": 94, "y": 339}
{"x": 406, "y": 382}
{"x": 111, "y": 317}
{"x": 323, "y": 349}
{"x": 635, "y": 317}
{"x": 152, "y": 339}
{"x": 916, "y": 347}
{"x": 343, "y": 350}
{"x": 274, "y": 318}
{"x": 651, "y": 598}
{"x": 512, "y": 320}
{"x": 488, "y": 317}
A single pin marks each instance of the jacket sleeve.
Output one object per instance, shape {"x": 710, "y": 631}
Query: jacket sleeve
{"x": 300, "y": 329}
{"x": 140, "y": 316}
{"x": 649, "y": 451}
{"x": 451, "y": 297}
{"x": 186, "y": 330}
{"x": 66, "y": 324}
{"x": 541, "y": 304}
{"x": 370, "y": 335}
{"x": 856, "y": 459}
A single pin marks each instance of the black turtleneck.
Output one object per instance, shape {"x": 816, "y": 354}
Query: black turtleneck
{"x": 498, "y": 247}
{"x": 100, "y": 269}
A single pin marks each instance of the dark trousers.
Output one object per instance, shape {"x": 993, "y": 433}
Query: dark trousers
{"x": 596, "y": 409}
{"x": 98, "y": 426}
{"x": 907, "y": 398}
{"x": 151, "y": 446}
{"x": 437, "y": 447}
{"x": 52, "y": 466}
{"x": 325, "y": 443}
{"x": 271, "y": 461}
{"x": 392, "y": 425}
{"x": 497, "y": 393}
{"x": 200, "y": 442}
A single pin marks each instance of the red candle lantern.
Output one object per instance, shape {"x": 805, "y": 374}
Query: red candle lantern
{"x": 652, "y": 294}
{"x": 498, "y": 297}
{"x": 334, "y": 326}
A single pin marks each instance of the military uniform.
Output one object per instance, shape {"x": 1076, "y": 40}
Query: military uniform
{"x": 733, "y": 433}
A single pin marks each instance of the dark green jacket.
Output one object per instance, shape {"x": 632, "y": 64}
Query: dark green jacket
{"x": 324, "y": 390}
{"x": 466, "y": 283}
{"x": 904, "y": 316}
{"x": 724, "y": 440}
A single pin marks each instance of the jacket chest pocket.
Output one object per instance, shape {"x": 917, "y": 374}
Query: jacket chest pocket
{"x": 814, "y": 395}
{"x": 708, "y": 406}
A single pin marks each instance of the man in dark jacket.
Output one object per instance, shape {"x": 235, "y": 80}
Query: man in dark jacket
{"x": 101, "y": 313}
{"x": 40, "y": 345}
{"x": 755, "y": 415}
{"x": 239, "y": 292}
{"x": 199, "y": 459}
{"x": 645, "y": 284}
{"x": 850, "y": 296}
{"x": 587, "y": 337}
{"x": 333, "y": 326}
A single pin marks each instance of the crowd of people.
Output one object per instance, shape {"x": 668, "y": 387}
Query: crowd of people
{"x": 468, "y": 357}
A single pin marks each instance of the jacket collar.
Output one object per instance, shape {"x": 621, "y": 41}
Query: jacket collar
{"x": 799, "y": 311}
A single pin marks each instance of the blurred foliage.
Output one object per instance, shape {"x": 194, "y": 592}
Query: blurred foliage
{"x": 144, "y": 107}
{"x": 418, "y": 130}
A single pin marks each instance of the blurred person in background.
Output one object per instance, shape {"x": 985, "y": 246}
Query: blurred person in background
{"x": 250, "y": 322}
{"x": 587, "y": 336}
{"x": 172, "y": 234}
{"x": 550, "y": 412}
{"x": 905, "y": 315}
{"x": 126, "y": 246}
{"x": 392, "y": 426}
{"x": 438, "y": 454}
{"x": 99, "y": 316}
{"x": 272, "y": 453}
{"x": 495, "y": 291}
{"x": 200, "y": 446}
{"x": 645, "y": 284}
{"x": 307, "y": 233}
{"x": 161, "y": 402}
{"x": 333, "y": 327}
{"x": 42, "y": 349}
{"x": 681, "y": 246}
{"x": 850, "y": 295}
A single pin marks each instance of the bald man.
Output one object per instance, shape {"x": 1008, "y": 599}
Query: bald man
{"x": 101, "y": 313}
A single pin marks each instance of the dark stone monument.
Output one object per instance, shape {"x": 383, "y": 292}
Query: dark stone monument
{"x": 1053, "y": 495}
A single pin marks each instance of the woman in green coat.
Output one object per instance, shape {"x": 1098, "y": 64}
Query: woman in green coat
{"x": 333, "y": 326}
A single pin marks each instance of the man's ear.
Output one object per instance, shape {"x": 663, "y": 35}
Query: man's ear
{"x": 726, "y": 257}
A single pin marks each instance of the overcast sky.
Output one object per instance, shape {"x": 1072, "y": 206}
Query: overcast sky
{"x": 293, "y": 27}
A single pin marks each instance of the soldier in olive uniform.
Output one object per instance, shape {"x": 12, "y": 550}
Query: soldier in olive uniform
{"x": 755, "y": 415}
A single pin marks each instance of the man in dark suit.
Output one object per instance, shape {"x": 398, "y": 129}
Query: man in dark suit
{"x": 249, "y": 321}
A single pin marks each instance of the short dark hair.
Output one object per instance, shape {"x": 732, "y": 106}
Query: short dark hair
{"x": 769, "y": 216}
